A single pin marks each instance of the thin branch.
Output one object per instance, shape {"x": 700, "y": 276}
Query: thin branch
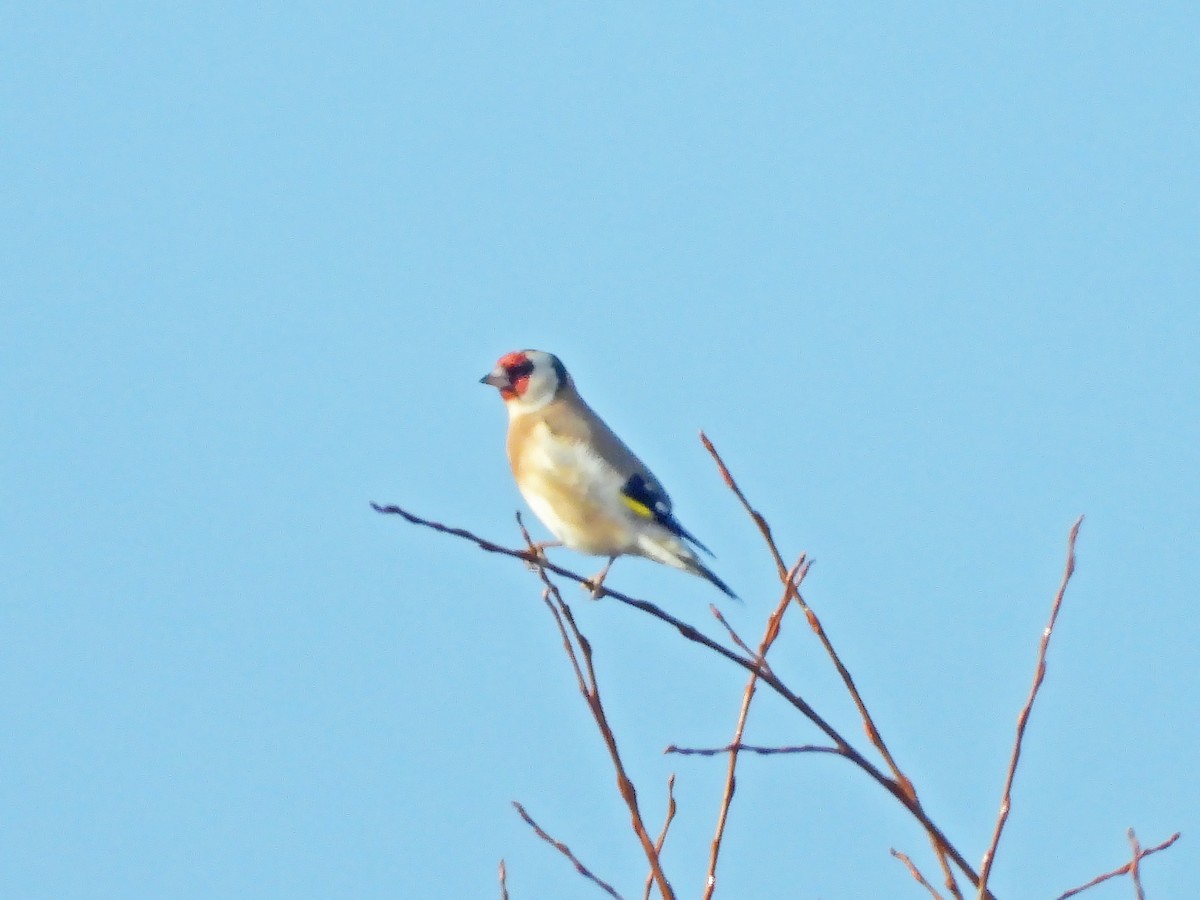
{"x": 590, "y": 689}
{"x": 503, "y": 881}
{"x": 1121, "y": 870}
{"x": 876, "y": 738}
{"x": 1135, "y": 872}
{"x": 780, "y": 565}
{"x": 692, "y": 634}
{"x": 733, "y": 635}
{"x": 547, "y": 592}
{"x": 989, "y": 856}
{"x": 565, "y": 851}
{"x": 813, "y": 621}
{"x": 915, "y": 873}
{"x": 752, "y": 748}
{"x": 794, "y": 575}
{"x": 662, "y": 835}
{"x": 872, "y": 732}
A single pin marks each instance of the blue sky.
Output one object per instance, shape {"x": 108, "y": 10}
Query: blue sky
{"x": 928, "y": 278}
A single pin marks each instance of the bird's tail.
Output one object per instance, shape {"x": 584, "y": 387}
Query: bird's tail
{"x": 698, "y": 568}
{"x": 674, "y": 552}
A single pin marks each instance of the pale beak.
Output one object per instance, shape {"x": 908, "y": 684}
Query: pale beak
{"x": 497, "y": 378}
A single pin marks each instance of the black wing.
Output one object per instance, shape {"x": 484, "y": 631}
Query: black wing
{"x": 649, "y": 501}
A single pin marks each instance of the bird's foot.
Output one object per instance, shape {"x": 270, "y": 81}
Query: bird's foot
{"x": 595, "y": 584}
{"x": 538, "y": 550}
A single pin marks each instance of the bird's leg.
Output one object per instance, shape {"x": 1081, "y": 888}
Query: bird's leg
{"x": 596, "y": 582}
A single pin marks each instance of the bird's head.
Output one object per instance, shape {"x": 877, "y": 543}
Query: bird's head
{"x": 528, "y": 379}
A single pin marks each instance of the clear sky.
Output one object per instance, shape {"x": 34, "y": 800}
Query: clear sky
{"x": 928, "y": 276}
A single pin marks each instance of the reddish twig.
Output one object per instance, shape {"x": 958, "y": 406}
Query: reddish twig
{"x": 692, "y": 634}
{"x": 902, "y": 781}
{"x": 662, "y": 835}
{"x": 989, "y": 855}
{"x": 876, "y": 738}
{"x": 915, "y": 873}
{"x": 751, "y": 748}
{"x": 503, "y": 881}
{"x": 565, "y": 851}
{"x": 589, "y": 687}
{"x": 780, "y": 565}
{"x": 794, "y": 576}
{"x": 733, "y": 635}
{"x": 1121, "y": 870}
{"x": 1135, "y": 872}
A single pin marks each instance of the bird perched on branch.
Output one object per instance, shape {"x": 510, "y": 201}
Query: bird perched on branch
{"x": 579, "y": 478}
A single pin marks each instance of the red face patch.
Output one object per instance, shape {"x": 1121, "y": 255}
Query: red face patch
{"x": 518, "y": 367}
{"x": 512, "y": 360}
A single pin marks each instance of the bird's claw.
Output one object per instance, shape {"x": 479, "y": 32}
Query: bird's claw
{"x": 595, "y": 584}
{"x": 538, "y": 551}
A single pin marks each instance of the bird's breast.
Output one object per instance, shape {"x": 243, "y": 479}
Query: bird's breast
{"x": 572, "y": 491}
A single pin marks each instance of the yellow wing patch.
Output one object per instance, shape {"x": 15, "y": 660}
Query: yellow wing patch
{"x": 640, "y": 509}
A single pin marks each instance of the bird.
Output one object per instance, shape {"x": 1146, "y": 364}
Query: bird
{"x": 581, "y": 480}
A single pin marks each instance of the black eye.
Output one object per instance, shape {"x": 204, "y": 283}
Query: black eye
{"x": 520, "y": 370}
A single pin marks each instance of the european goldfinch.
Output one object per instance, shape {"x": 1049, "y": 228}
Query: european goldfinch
{"x": 578, "y": 477}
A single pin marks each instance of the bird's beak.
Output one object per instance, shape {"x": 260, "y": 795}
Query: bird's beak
{"x": 497, "y": 378}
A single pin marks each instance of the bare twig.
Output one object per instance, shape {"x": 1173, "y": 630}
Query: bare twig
{"x": 565, "y": 851}
{"x": 751, "y": 748}
{"x": 662, "y": 835}
{"x": 873, "y": 734}
{"x": 690, "y": 633}
{"x": 989, "y": 856}
{"x": 1135, "y": 872}
{"x": 916, "y": 873}
{"x": 813, "y": 621}
{"x": 1120, "y": 870}
{"x": 733, "y": 635}
{"x": 794, "y": 576}
{"x": 590, "y": 689}
{"x": 503, "y": 881}
{"x": 780, "y": 565}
